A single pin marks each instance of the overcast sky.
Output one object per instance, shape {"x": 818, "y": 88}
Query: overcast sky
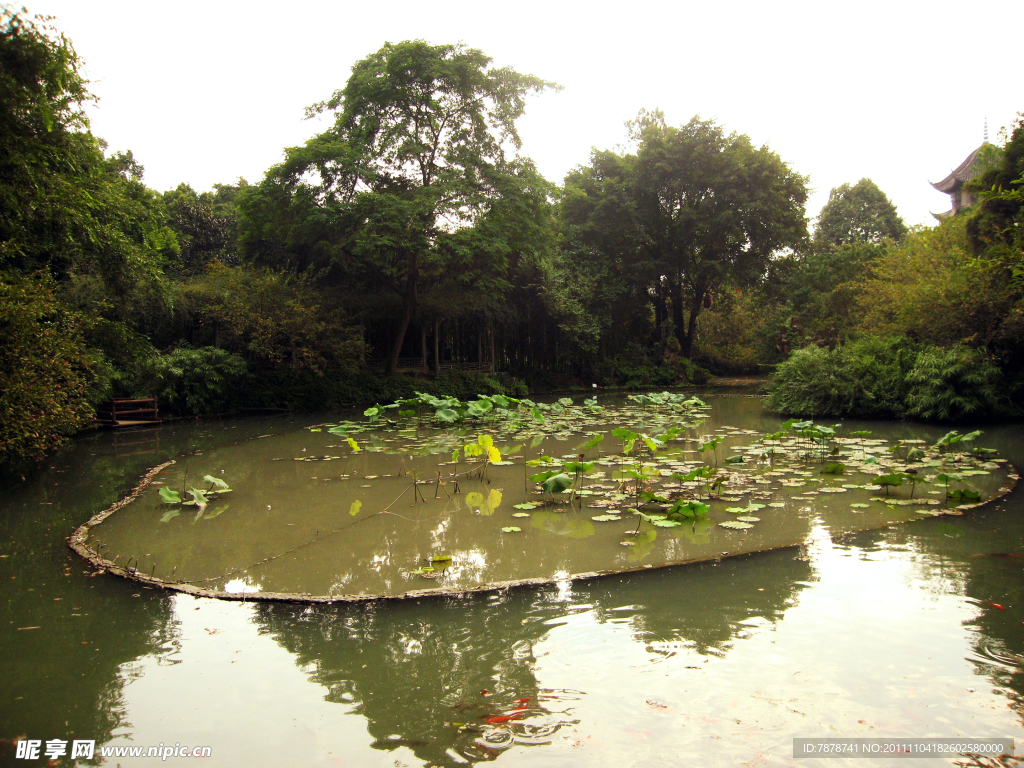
{"x": 896, "y": 91}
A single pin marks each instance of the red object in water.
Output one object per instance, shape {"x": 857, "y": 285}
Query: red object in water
{"x": 513, "y": 715}
{"x": 997, "y": 605}
{"x": 523, "y": 701}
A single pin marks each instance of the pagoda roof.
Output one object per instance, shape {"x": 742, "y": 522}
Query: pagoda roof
{"x": 963, "y": 172}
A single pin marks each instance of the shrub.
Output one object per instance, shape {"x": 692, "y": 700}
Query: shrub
{"x": 637, "y": 373}
{"x": 949, "y": 385}
{"x": 865, "y": 378}
{"x": 739, "y": 333}
{"x": 195, "y": 381}
{"x": 45, "y": 369}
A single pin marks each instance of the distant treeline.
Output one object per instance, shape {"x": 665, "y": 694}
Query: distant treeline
{"x": 412, "y": 234}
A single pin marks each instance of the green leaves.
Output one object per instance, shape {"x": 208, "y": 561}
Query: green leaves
{"x": 888, "y": 481}
{"x": 552, "y": 481}
{"x": 219, "y": 485}
{"x": 199, "y": 498}
{"x": 648, "y": 497}
{"x": 446, "y": 415}
{"x": 556, "y": 483}
{"x": 578, "y": 466}
{"x": 688, "y": 509}
{"x": 168, "y": 496}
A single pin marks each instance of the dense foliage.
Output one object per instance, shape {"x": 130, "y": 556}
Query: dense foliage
{"x": 45, "y": 370}
{"x": 413, "y": 236}
{"x": 889, "y": 377}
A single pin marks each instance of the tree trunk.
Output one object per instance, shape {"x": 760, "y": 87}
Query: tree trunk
{"x": 659, "y": 313}
{"x": 691, "y": 329}
{"x": 677, "y": 312}
{"x": 423, "y": 346}
{"x": 490, "y": 333}
{"x": 437, "y": 348}
{"x": 403, "y": 325}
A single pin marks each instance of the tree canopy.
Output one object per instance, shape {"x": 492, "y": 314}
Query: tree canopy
{"x": 411, "y": 182}
{"x": 858, "y": 213}
{"x": 693, "y": 210}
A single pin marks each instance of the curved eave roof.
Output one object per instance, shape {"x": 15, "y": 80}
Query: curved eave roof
{"x": 963, "y": 172}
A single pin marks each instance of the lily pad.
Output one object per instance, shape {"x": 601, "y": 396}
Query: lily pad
{"x": 511, "y": 529}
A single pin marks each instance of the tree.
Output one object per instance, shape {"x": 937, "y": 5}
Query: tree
{"x": 203, "y": 237}
{"x": 416, "y": 155}
{"x": 712, "y": 210}
{"x": 63, "y": 205}
{"x": 602, "y": 254}
{"x": 45, "y": 369}
{"x": 997, "y": 223}
{"x": 858, "y": 214}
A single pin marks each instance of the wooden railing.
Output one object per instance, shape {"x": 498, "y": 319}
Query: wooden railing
{"x": 126, "y": 412}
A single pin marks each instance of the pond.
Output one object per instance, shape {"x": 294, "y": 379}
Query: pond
{"x": 903, "y": 630}
{"x": 555, "y": 494}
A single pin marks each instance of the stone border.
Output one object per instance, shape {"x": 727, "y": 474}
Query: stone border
{"x": 77, "y": 542}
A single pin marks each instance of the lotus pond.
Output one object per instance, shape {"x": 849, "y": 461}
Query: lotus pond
{"x": 860, "y": 609}
{"x": 519, "y": 492}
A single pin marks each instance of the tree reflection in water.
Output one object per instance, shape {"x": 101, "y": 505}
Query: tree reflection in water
{"x": 457, "y": 675}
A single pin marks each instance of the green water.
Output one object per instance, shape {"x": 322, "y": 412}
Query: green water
{"x": 884, "y": 632}
{"x": 309, "y": 515}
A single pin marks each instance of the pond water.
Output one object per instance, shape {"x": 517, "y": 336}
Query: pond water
{"x": 906, "y": 630}
{"x": 311, "y": 513}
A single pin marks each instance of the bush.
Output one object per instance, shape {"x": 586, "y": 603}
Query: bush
{"x": 949, "y": 385}
{"x": 195, "y": 382}
{"x": 637, "y": 373}
{"x": 739, "y": 333}
{"x": 45, "y": 369}
{"x": 865, "y": 378}
{"x": 886, "y": 377}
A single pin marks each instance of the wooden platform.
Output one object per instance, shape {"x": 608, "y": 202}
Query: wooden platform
{"x": 124, "y": 412}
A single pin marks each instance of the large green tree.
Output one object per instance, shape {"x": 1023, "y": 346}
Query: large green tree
{"x": 712, "y": 211}
{"x": 416, "y": 157}
{"x": 64, "y": 206}
{"x": 858, "y": 213}
{"x": 606, "y": 269}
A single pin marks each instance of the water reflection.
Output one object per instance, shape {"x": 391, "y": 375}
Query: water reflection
{"x": 980, "y": 557}
{"x": 887, "y": 632}
{"x": 459, "y": 678}
{"x": 71, "y": 641}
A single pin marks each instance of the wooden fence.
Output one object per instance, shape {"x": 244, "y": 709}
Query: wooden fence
{"x": 125, "y": 412}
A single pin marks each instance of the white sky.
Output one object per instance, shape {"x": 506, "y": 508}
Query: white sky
{"x": 896, "y": 91}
